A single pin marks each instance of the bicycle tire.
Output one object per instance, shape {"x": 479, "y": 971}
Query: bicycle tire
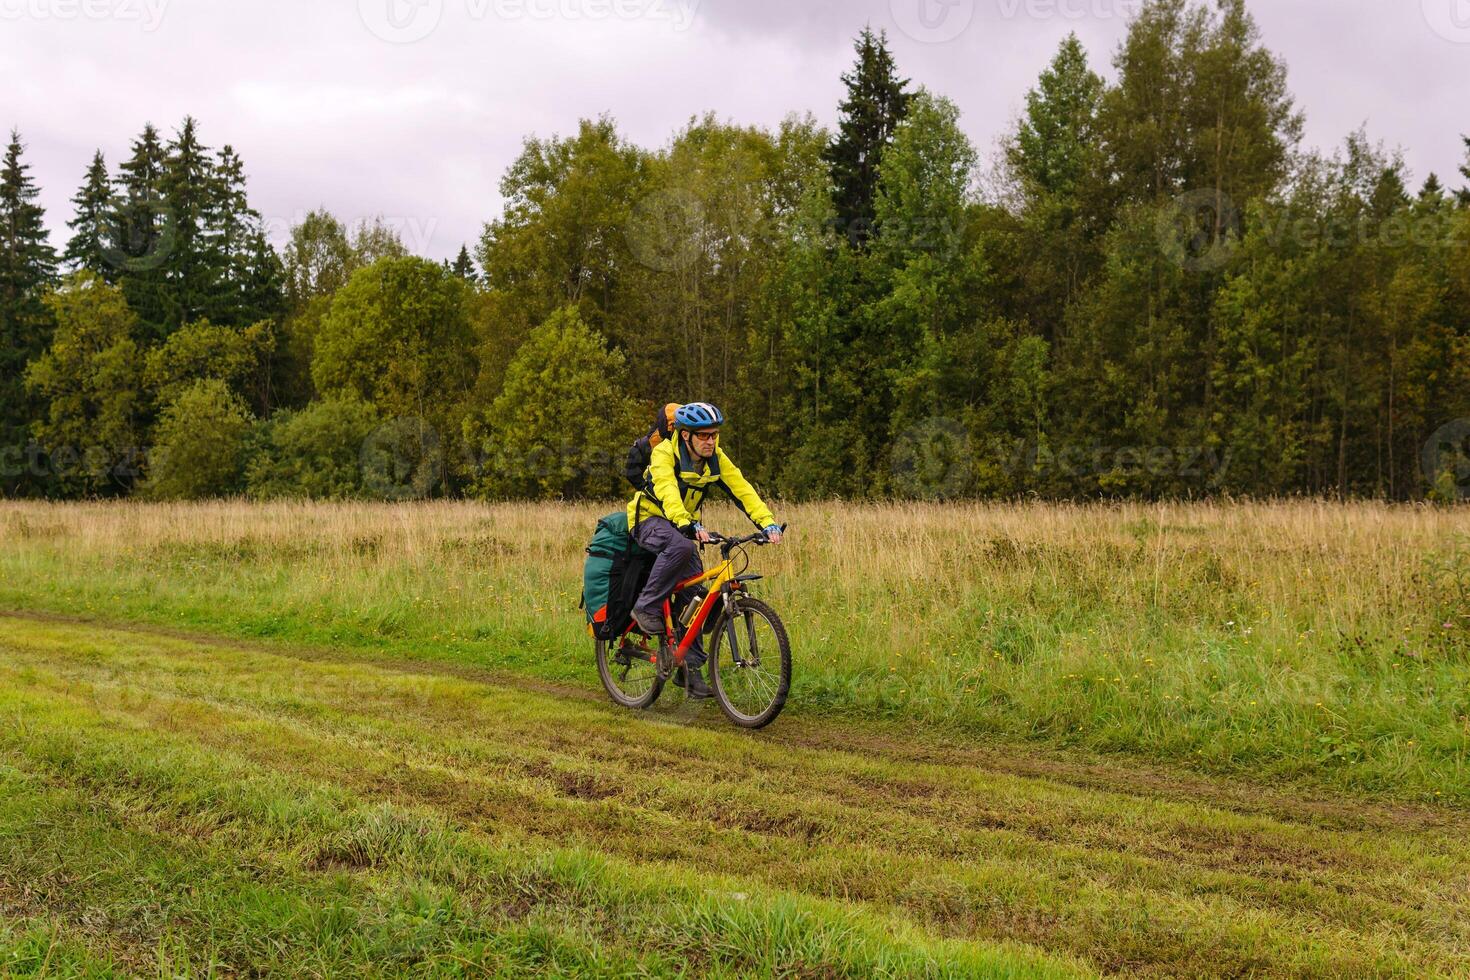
{"x": 726, "y": 637}
{"x": 606, "y": 666}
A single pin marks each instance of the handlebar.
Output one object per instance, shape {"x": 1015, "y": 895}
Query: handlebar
{"x": 727, "y": 543}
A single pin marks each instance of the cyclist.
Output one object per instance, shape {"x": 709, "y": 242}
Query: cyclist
{"x": 664, "y": 518}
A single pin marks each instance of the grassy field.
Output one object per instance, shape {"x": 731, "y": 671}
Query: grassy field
{"x": 1023, "y": 741}
{"x": 1308, "y": 641}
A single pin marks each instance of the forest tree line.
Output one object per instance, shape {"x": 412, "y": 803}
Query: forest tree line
{"x": 1150, "y": 289}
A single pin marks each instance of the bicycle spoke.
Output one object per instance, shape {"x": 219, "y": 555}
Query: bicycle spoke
{"x": 751, "y": 686}
{"x": 628, "y": 675}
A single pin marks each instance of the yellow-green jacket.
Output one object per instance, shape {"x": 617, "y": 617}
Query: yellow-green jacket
{"x": 676, "y": 482}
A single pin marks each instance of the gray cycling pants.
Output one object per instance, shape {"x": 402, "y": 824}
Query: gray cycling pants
{"x": 678, "y": 559}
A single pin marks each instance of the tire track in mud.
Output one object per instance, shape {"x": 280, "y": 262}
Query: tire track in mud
{"x": 811, "y": 789}
{"x": 1078, "y": 769}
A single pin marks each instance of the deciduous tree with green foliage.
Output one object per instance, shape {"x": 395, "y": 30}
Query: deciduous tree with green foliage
{"x": 199, "y": 444}
{"x": 398, "y": 336}
{"x": 89, "y": 384}
{"x": 203, "y": 350}
{"x": 563, "y": 239}
{"x": 559, "y": 425}
{"x": 314, "y": 452}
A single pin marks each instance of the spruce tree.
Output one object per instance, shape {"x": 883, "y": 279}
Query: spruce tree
{"x": 463, "y": 267}
{"x": 229, "y": 235}
{"x": 193, "y": 265}
{"x": 1433, "y": 191}
{"x": 1463, "y": 194}
{"x": 249, "y": 282}
{"x": 876, "y": 103}
{"x": 144, "y": 232}
{"x": 27, "y": 268}
{"x": 91, "y": 227}
{"x": 262, "y": 279}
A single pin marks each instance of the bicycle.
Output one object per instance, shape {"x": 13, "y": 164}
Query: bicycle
{"x": 747, "y": 636}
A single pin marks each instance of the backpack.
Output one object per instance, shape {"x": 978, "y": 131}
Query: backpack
{"x": 613, "y": 577}
{"x": 642, "y": 451}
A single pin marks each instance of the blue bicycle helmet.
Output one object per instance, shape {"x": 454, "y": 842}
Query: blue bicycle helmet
{"x": 699, "y": 415}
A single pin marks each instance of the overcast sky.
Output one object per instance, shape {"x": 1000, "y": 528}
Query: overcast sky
{"x": 412, "y": 109}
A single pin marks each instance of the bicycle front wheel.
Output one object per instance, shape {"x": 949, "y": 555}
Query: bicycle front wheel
{"x": 750, "y": 663}
{"x": 630, "y": 677}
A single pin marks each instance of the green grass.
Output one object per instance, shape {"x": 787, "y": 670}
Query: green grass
{"x": 1023, "y": 741}
{"x": 1319, "y": 643}
{"x": 169, "y": 806}
{"x": 175, "y": 804}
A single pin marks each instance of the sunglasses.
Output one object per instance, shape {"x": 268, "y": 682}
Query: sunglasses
{"x": 703, "y": 435}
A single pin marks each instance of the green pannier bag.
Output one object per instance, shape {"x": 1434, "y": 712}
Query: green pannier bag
{"x": 609, "y": 556}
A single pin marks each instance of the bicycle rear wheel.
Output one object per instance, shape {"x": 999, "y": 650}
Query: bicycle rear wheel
{"x": 630, "y": 677}
{"x": 750, "y": 663}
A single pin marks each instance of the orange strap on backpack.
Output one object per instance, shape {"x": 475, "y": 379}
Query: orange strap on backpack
{"x": 666, "y": 430}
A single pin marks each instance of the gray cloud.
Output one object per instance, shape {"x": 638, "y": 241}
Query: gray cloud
{"x": 413, "y": 108}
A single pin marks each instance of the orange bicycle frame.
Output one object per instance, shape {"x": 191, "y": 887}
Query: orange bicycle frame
{"x": 717, "y": 577}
